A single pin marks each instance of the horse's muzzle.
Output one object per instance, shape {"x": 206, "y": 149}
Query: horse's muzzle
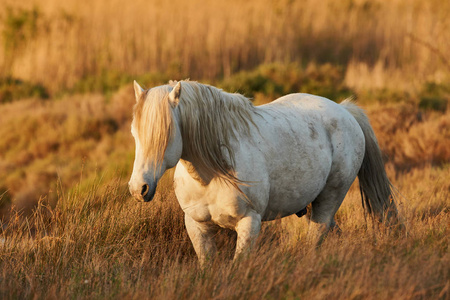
{"x": 145, "y": 194}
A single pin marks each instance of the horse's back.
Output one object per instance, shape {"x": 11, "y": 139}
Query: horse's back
{"x": 304, "y": 104}
{"x": 313, "y": 113}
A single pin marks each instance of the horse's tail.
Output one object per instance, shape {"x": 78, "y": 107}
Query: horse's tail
{"x": 377, "y": 192}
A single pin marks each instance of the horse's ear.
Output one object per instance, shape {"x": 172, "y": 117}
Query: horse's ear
{"x": 138, "y": 91}
{"x": 174, "y": 95}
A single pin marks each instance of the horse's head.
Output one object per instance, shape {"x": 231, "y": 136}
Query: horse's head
{"x": 156, "y": 132}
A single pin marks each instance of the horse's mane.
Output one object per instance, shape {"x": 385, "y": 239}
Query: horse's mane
{"x": 210, "y": 120}
{"x": 153, "y": 122}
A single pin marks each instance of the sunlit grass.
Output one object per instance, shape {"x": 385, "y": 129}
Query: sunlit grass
{"x": 100, "y": 243}
{"x": 394, "y": 45}
{"x": 80, "y": 235}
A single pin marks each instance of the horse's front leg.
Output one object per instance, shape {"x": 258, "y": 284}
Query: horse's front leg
{"x": 247, "y": 231}
{"x": 202, "y": 237}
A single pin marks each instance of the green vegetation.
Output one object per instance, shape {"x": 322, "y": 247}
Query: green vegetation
{"x": 19, "y": 27}
{"x": 435, "y": 96}
{"x": 275, "y": 80}
{"x": 109, "y": 82}
{"x": 16, "y": 89}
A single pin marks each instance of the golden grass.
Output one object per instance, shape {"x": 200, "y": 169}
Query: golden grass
{"x": 103, "y": 244}
{"x": 46, "y": 142}
{"x": 69, "y": 228}
{"x": 409, "y": 136}
{"x": 91, "y": 240}
{"x": 395, "y": 44}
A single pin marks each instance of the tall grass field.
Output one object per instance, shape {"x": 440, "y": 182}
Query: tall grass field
{"x": 70, "y": 229}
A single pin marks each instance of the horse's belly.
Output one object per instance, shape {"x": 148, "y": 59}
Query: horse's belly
{"x": 293, "y": 193}
{"x": 297, "y": 178}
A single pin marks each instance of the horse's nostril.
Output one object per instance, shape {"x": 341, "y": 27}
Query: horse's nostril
{"x": 144, "y": 190}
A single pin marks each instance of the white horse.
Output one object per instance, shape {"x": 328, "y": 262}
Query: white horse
{"x": 238, "y": 165}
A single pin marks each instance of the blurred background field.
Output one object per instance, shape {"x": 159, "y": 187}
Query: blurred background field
{"x": 58, "y": 47}
{"x": 66, "y": 101}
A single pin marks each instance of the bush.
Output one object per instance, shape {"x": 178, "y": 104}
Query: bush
{"x": 434, "y": 96}
{"x": 275, "y": 80}
{"x": 105, "y": 83}
{"x": 110, "y": 81}
{"x": 325, "y": 80}
{"x": 432, "y": 103}
{"x": 385, "y": 96}
{"x": 12, "y": 89}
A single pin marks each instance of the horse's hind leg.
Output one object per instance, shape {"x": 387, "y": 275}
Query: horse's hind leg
{"x": 323, "y": 209}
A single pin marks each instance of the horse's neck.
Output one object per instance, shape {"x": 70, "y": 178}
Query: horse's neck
{"x": 212, "y": 162}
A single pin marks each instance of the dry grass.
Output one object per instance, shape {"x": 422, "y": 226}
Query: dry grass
{"x": 104, "y": 245}
{"x": 93, "y": 241}
{"x": 69, "y": 228}
{"x": 411, "y": 137}
{"x": 63, "y": 141}
{"x": 383, "y": 44}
